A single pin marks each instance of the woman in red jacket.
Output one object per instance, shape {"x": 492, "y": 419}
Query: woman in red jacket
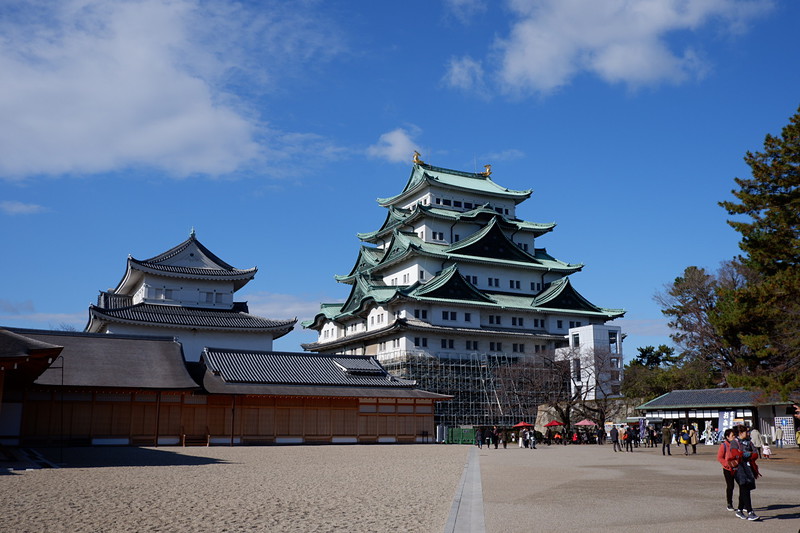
{"x": 742, "y": 457}
{"x": 727, "y": 471}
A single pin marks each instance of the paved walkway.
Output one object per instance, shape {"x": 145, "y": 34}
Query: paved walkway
{"x": 591, "y": 488}
{"x": 466, "y": 514}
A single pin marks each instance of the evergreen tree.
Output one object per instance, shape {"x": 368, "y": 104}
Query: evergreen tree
{"x": 771, "y": 201}
{"x": 762, "y": 315}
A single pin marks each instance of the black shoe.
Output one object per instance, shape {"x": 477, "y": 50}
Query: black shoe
{"x": 730, "y": 507}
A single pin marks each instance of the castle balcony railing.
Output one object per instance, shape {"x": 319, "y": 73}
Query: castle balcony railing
{"x": 110, "y": 300}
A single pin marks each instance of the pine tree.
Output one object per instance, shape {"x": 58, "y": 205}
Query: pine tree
{"x": 763, "y": 314}
{"x": 771, "y": 200}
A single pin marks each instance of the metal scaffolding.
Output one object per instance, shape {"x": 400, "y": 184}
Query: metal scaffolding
{"x": 488, "y": 389}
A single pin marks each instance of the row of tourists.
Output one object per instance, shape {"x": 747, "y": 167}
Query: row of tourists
{"x": 499, "y": 436}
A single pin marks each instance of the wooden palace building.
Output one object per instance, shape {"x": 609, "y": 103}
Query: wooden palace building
{"x": 127, "y": 381}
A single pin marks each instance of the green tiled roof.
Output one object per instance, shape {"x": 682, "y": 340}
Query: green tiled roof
{"x": 404, "y": 245}
{"x": 425, "y": 175}
{"x": 490, "y": 241}
{"x": 450, "y": 287}
{"x": 450, "y": 284}
{"x": 398, "y": 217}
{"x": 367, "y": 259}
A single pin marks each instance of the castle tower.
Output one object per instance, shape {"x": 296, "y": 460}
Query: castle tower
{"x": 453, "y": 292}
{"x": 186, "y": 292}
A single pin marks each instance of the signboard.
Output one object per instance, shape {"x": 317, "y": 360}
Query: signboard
{"x": 787, "y": 423}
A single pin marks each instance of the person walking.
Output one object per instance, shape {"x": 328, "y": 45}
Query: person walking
{"x": 693, "y": 439}
{"x": 757, "y": 439}
{"x": 684, "y": 439}
{"x": 727, "y": 471}
{"x": 666, "y": 439}
{"x": 479, "y": 438}
{"x": 629, "y": 438}
{"x": 615, "y": 439}
{"x": 742, "y": 457}
{"x": 779, "y": 437}
{"x": 797, "y": 438}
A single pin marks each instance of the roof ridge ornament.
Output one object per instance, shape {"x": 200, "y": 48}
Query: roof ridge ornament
{"x": 416, "y": 159}
{"x": 192, "y": 233}
{"x": 488, "y": 171}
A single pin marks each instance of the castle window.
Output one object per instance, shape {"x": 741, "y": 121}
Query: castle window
{"x": 448, "y": 344}
{"x": 467, "y": 205}
{"x": 421, "y": 313}
{"x": 446, "y": 202}
{"x": 421, "y": 341}
{"x": 456, "y": 203}
{"x": 164, "y": 294}
{"x": 467, "y": 317}
{"x": 472, "y": 345}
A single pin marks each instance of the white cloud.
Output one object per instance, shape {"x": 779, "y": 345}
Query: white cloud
{"x": 620, "y": 41}
{"x": 465, "y": 73}
{"x": 465, "y": 10}
{"x": 654, "y": 327}
{"x": 505, "y": 155}
{"x": 92, "y": 86}
{"x": 11, "y": 207}
{"x": 282, "y": 306}
{"x": 396, "y": 146}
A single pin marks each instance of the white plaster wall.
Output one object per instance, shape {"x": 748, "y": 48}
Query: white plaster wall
{"x": 187, "y": 292}
{"x": 194, "y": 341}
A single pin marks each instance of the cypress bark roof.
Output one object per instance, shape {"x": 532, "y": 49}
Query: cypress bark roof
{"x": 114, "y": 361}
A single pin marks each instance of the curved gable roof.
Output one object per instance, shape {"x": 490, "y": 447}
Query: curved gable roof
{"x": 423, "y": 175}
{"x": 189, "y": 259}
{"x": 450, "y": 285}
{"x": 490, "y": 241}
{"x": 560, "y": 294}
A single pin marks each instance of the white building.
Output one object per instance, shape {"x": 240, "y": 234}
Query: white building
{"x": 186, "y": 292}
{"x": 595, "y": 358}
{"x": 454, "y": 276}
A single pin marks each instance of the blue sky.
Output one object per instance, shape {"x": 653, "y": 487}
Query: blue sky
{"x": 272, "y": 127}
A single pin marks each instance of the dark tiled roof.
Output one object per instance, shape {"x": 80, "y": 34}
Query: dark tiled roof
{"x": 214, "y": 266}
{"x": 284, "y": 368}
{"x": 114, "y": 361}
{"x": 215, "y": 385}
{"x": 191, "y": 317}
{"x": 708, "y": 398}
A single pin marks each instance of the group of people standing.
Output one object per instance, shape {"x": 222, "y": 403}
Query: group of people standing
{"x": 737, "y": 454}
{"x": 498, "y": 436}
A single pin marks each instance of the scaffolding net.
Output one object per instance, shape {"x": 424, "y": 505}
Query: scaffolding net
{"x": 488, "y": 389}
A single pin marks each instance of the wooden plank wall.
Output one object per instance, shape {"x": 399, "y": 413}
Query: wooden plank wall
{"x": 141, "y": 418}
